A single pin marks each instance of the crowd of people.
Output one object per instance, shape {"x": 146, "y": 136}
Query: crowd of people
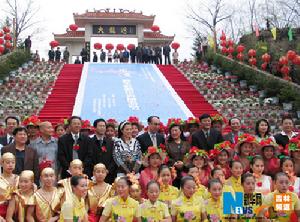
{"x": 75, "y": 171}
{"x": 140, "y": 54}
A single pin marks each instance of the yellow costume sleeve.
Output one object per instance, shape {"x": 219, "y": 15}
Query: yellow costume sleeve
{"x": 173, "y": 209}
{"x": 166, "y": 210}
{"x": 108, "y": 208}
{"x": 67, "y": 211}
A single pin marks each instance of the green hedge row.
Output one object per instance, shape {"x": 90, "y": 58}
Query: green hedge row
{"x": 13, "y": 61}
{"x": 273, "y": 86}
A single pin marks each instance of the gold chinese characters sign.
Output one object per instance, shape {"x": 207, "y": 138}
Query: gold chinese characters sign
{"x": 114, "y": 29}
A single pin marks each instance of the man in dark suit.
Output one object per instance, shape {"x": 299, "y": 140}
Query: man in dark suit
{"x": 74, "y": 145}
{"x": 26, "y": 157}
{"x": 206, "y": 137}
{"x": 152, "y": 137}
{"x": 287, "y": 133}
{"x": 11, "y": 123}
{"x": 166, "y": 52}
{"x": 235, "y": 125}
{"x": 102, "y": 149}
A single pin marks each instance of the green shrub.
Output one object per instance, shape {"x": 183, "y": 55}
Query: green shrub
{"x": 12, "y": 61}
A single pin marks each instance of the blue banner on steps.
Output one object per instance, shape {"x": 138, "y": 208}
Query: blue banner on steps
{"x": 122, "y": 90}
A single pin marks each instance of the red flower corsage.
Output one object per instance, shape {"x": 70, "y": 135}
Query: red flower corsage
{"x": 291, "y": 188}
{"x": 259, "y": 184}
{"x": 103, "y": 148}
{"x": 76, "y": 147}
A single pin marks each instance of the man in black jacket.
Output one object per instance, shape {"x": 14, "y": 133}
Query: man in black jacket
{"x": 102, "y": 149}
{"x": 75, "y": 146}
{"x": 51, "y": 55}
{"x": 11, "y": 122}
{"x": 152, "y": 137}
{"x": 166, "y": 52}
{"x": 206, "y": 137}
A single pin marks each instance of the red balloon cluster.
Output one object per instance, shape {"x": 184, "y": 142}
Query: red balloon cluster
{"x": 285, "y": 70}
{"x": 98, "y": 46}
{"x": 251, "y": 53}
{"x": 109, "y": 46}
{"x": 130, "y": 46}
{"x": 175, "y": 45}
{"x": 240, "y": 49}
{"x": 223, "y": 37}
{"x": 73, "y": 27}
{"x": 120, "y": 47}
{"x": 54, "y": 44}
{"x": 266, "y": 58}
{"x": 7, "y": 37}
{"x": 296, "y": 60}
{"x": 223, "y": 43}
{"x": 252, "y": 60}
{"x": 283, "y": 60}
{"x": 291, "y": 55}
{"x": 6, "y": 29}
{"x": 155, "y": 28}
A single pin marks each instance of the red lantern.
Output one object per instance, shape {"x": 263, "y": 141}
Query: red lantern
{"x": 109, "y": 46}
{"x": 7, "y": 37}
{"x": 1, "y": 49}
{"x": 73, "y": 27}
{"x": 240, "y": 48}
{"x": 223, "y": 37}
{"x": 1, "y": 34}
{"x": 251, "y": 53}
{"x": 1, "y": 41}
{"x": 175, "y": 45}
{"x": 223, "y": 43}
{"x": 230, "y": 42}
{"x": 283, "y": 60}
{"x": 120, "y": 47}
{"x": 296, "y": 60}
{"x": 230, "y": 49}
{"x": 155, "y": 28}
{"x": 54, "y": 44}
{"x": 291, "y": 55}
{"x": 266, "y": 58}
{"x": 264, "y": 66}
{"x": 224, "y": 50}
{"x": 130, "y": 46}
{"x": 252, "y": 61}
{"x": 8, "y": 45}
{"x": 6, "y": 29}
{"x": 98, "y": 46}
{"x": 240, "y": 56}
{"x": 285, "y": 70}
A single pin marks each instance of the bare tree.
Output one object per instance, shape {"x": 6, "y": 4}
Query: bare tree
{"x": 281, "y": 13}
{"x": 218, "y": 12}
{"x": 24, "y": 13}
{"x": 252, "y": 10}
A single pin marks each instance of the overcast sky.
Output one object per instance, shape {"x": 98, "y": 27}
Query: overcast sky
{"x": 57, "y": 15}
